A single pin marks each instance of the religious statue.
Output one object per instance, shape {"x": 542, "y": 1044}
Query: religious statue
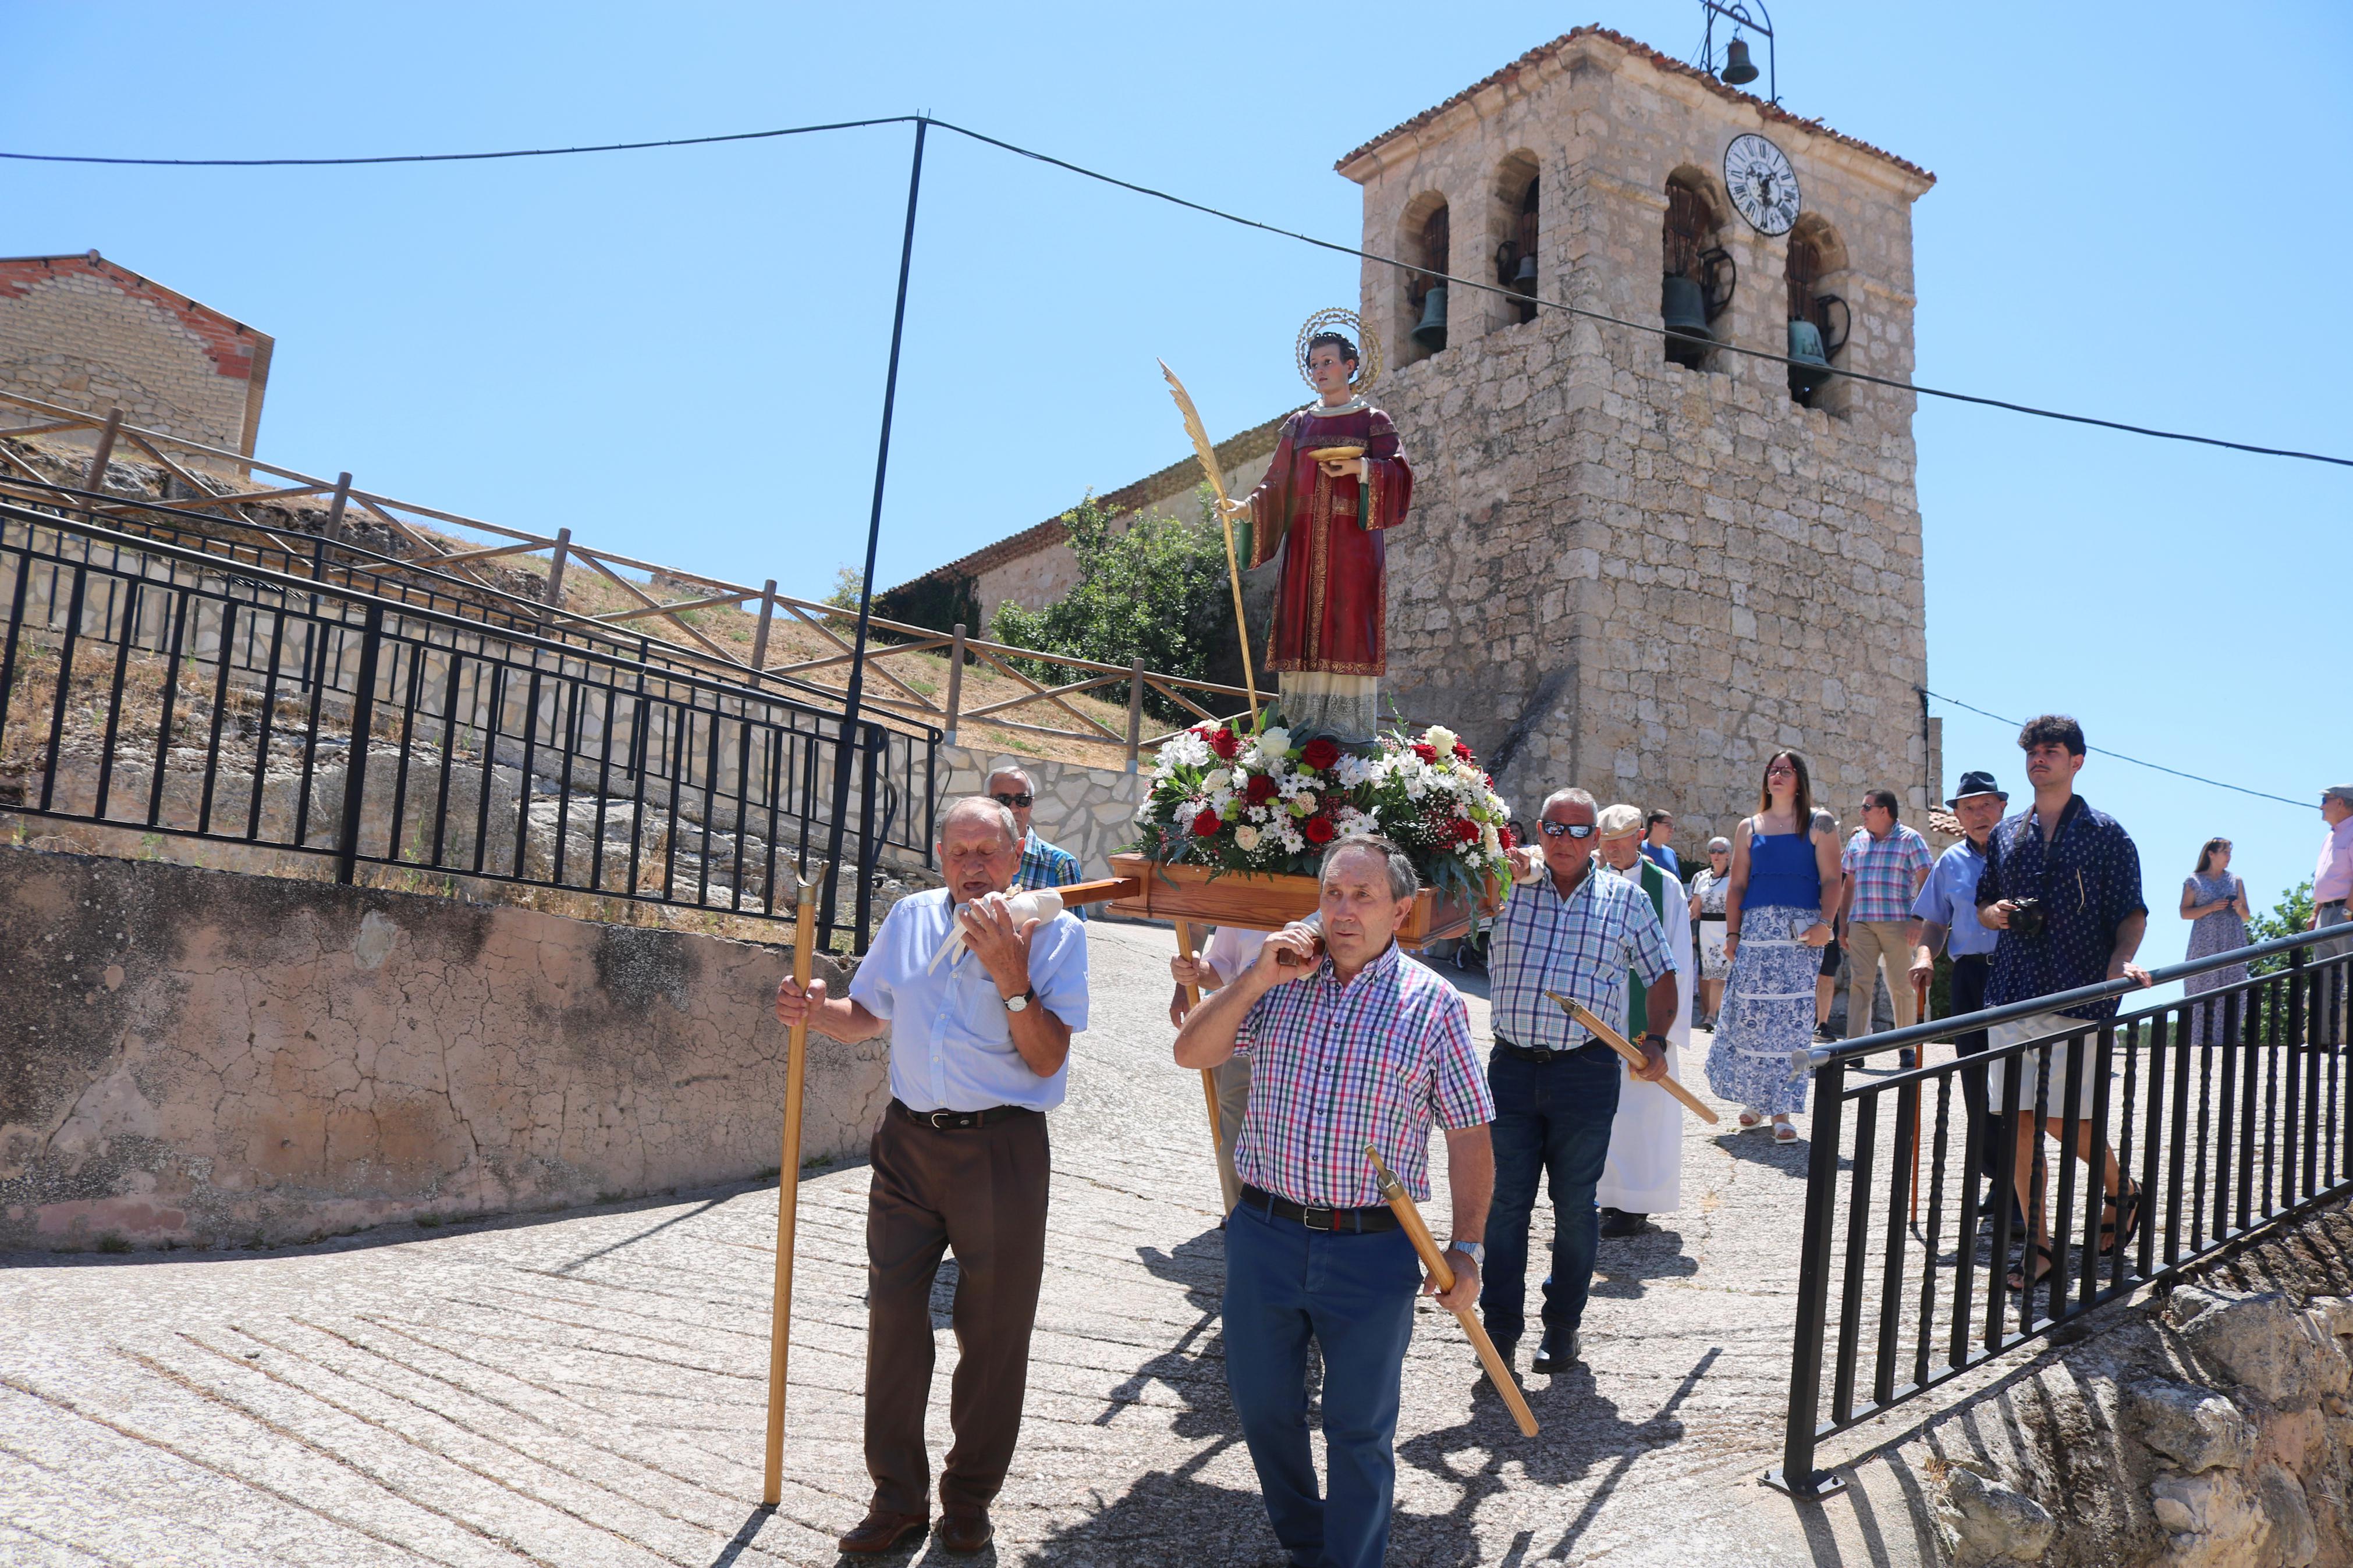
{"x": 1336, "y": 483}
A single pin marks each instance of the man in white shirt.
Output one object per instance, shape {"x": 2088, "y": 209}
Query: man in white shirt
{"x": 2332, "y": 874}
{"x": 979, "y": 1051}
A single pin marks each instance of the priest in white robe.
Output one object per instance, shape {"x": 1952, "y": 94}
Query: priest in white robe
{"x": 1644, "y": 1173}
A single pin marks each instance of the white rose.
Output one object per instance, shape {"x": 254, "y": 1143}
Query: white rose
{"x": 1489, "y": 839}
{"x": 1246, "y": 838}
{"x": 1217, "y": 779}
{"x": 1273, "y": 745}
{"x": 1441, "y": 738}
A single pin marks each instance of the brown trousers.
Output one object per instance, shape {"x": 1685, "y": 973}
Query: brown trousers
{"x": 981, "y": 1191}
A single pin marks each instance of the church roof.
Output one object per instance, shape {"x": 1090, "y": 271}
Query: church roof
{"x": 1544, "y": 52}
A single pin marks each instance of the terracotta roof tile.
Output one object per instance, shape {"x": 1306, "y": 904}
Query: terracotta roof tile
{"x": 1544, "y": 52}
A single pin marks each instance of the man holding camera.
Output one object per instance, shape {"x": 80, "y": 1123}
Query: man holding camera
{"x": 2061, "y": 886}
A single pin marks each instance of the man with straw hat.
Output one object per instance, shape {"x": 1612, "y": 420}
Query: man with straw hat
{"x": 979, "y": 1052}
{"x": 1644, "y": 1172}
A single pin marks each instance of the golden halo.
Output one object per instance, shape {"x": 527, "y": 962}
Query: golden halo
{"x": 1335, "y": 318}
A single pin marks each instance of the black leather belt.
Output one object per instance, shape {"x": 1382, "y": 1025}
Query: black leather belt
{"x": 2330, "y": 904}
{"x": 960, "y": 1121}
{"x": 1380, "y": 1217}
{"x": 1541, "y": 1056}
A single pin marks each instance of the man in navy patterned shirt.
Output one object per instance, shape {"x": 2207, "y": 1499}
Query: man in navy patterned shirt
{"x": 2080, "y": 869}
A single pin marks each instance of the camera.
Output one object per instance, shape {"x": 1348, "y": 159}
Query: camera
{"x": 2026, "y": 917}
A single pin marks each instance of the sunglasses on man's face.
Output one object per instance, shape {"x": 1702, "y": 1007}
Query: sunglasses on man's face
{"x": 1013, "y": 801}
{"x": 1574, "y": 829}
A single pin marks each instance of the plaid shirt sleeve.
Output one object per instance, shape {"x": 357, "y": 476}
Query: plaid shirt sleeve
{"x": 1458, "y": 1085}
{"x": 1917, "y": 858}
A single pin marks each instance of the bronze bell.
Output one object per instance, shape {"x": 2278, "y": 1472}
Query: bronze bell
{"x": 1524, "y": 281}
{"x": 1431, "y": 334}
{"x": 1739, "y": 69}
{"x": 1683, "y": 309}
{"x": 1813, "y": 369}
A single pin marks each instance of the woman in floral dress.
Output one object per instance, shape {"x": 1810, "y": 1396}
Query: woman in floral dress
{"x": 2215, "y": 903}
{"x": 1707, "y": 891}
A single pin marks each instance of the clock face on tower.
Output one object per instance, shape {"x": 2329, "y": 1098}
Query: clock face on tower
{"x": 1763, "y": 185}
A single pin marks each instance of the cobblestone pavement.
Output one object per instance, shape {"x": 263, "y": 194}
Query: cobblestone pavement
{"x": 588, "y": 1388}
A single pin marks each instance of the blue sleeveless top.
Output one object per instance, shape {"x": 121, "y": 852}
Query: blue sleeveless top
{"x": 1782, "y": 873}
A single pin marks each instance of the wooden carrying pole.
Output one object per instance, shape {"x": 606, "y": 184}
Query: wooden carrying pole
{"x": 1617, "y": 1042}
{"x": 789, "y": 1191}
{"x": 1410, "y": 1216}
{"x": 1193, "y": 1000}
{"x": 1209, "y": 456}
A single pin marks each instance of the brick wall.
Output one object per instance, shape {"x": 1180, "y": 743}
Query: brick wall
{"x": 80, "y": 331}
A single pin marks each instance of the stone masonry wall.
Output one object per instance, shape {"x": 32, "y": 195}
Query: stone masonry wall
{"x": 1620, "y": 572}
{"x": 83, "y": 332}
{"x": 200, "y": 1057}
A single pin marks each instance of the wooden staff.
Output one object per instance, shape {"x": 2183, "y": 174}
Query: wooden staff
{"x": 1617, "y": 1042}
{"x": 1410, "y": 1216}
{"x": 1193, "y": 1000}
{"x": 788, "y": 1190}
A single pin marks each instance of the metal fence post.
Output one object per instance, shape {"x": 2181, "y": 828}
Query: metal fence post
{"x": 1134, "y": 711}
{"x": 347, "y": 844}
{"x": 1795, "y": 1474}
{"x": 767, "y": 619}
{"x": 956, "y": 681}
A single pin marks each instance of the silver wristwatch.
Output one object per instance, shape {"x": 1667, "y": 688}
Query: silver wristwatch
{"x": 1021, "y": 1004}
{"x": 1477, "y": 1249}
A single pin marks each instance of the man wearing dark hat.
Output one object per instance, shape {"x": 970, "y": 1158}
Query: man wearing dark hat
{"x": 1946, "y": 908}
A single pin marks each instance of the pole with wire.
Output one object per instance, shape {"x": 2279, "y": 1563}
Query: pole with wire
{"x": 849, "y": 704}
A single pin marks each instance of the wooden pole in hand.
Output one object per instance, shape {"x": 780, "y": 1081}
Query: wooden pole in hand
{"x": 1410, "y": 1216}
{"x": 1193, "y": 1000}
{"x": 1634, "y": 1058}
{"x": 789, "y": 1191}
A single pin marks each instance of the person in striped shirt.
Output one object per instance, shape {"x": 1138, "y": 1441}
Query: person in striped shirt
{"x": 1351, "y": 1043}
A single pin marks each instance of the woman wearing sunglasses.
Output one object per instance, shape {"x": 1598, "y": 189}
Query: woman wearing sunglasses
{"x": 1780, "y": 904}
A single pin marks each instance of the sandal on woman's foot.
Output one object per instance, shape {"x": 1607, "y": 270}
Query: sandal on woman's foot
{"x": 2122, "y": 1219}
{"x": 2018, "y": 1281}
{"x": 1750, "y": 1122}
{"x": 1784, "y": 1133}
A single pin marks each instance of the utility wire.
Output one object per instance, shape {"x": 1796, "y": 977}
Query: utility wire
{"x": 2137, "y": 762}
{"x": 1657, "y": 331}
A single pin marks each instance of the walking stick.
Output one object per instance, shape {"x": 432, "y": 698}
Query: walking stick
{"x": 1919, "y": 1011}
{"x": 1193, "y": 1000}
{"x": 1410, "y": 1216}
{"x": 788, "y": 1190}
{"x": 1617, "y": 1042}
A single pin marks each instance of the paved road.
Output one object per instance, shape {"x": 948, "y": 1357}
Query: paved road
{"x": 588, "y": 1388}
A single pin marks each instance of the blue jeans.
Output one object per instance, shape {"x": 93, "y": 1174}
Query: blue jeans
{"x": 1354, "y": 1295}
{"x": 1551, "y": 1120}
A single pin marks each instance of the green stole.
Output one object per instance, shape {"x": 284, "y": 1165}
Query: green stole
{"x": 1638, "y": 1011}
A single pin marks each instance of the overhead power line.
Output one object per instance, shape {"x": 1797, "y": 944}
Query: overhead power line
{"x": 1655, "y": 329}
{"x": 2137, "y": 762}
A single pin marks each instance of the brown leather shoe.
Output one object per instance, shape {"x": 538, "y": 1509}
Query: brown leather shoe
{"x": 964, "y": 1533}
{"x": 883, "y": 1531}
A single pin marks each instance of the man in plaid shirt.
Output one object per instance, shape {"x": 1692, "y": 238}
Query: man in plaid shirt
{"x": 1565, "y": 928}
{"x": 1886, "y": 863}
{"x": 1352, "y": 1043}
{"x": 1043, "y": 865}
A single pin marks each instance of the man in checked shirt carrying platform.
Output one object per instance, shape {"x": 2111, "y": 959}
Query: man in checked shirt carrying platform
{"x": 1353, "y": 1044}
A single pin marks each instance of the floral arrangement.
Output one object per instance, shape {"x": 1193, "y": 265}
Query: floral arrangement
{"x": 1245, "y": 801}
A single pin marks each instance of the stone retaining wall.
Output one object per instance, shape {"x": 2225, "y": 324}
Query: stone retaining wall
{"x": 199, "y": 1058}
{"x": 1090, "y": 812}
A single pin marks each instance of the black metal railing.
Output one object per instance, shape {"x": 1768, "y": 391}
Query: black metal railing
{"x": 154, "y": 688}
{"x": 2226, "y": 1113}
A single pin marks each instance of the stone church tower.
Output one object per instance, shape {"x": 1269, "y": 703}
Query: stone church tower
{"x": 1622, "y": 572}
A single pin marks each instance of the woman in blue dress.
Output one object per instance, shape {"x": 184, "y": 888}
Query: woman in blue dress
{"x": 1779, "y": 909}
{"x": 2216, "y": 902}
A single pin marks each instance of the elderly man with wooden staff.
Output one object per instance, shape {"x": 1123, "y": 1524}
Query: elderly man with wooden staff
{"x": 979, "y": 1052}
{"x": 1644, "y": 1172}
{"x": 1352, "y": 1044}
{"x": 1570, "y": 930}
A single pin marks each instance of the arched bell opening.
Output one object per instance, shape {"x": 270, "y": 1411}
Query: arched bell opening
{"x": 1514, "y": 229}
{"x": 1698, "y": 274}
{"x": 1821, "y": 318}
{"x": 1427, "y": 244}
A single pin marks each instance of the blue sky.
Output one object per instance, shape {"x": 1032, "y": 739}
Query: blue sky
{"x": 680, "y": 353}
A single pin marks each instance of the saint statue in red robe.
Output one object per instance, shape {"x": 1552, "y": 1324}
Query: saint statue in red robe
{"x": 1326, "y": 515}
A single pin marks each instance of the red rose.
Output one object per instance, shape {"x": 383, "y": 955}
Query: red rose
{"x": 1463, "y": 752}
{"x": 1320, "y": 753}
{"x": 1425, "y": 750}
{"x": 1206, "y": 824}
{"x": 1508, "y": 838}
{"x": 1225, "y": 743}
{"x": 1319, "y": 830}
{"x": 1260, "y": 790}
{"x": 1465, "y": 830}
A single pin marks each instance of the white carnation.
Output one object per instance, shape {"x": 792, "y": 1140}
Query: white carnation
{"x": 1490, "y": 841}
{"x": 1246, "y": 838}
{"x": 1217, "y": 779}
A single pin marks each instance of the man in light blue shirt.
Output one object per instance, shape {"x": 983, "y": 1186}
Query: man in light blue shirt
{"x": 979, "y": 1048}
{"x": 1947, "y": 909}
